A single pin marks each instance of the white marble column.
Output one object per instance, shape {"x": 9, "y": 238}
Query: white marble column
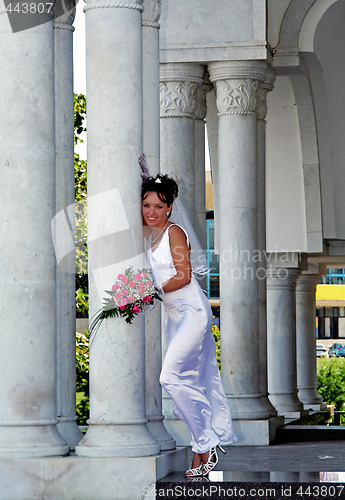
{"x": 237, "y": 93}
{"x": 64, "y": 202}
{"x": 151, "y": 112}
{"x": 306, "y": 338}
{"x": 264, "y": 87}
{"x": 28, "y": 424}
{"x": 282, "y": 275}
{"x": 200, "y": 206}
{"x": 178, "y": 102}
{"x": 117, "y": 425}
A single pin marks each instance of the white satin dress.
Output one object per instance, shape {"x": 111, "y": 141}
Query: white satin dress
{"x": 190, "y": 372}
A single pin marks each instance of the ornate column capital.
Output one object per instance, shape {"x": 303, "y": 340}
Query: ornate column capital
{"x": 265, "y": 87}
{"x": 114, "y": 4}
{"x": 64, "y": 15}
{"x": 151, "y": 13}
{"x": 237, "y": 85}
{"x": 179, "y": 89}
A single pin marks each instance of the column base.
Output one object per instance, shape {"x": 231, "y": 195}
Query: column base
{"x": 92, "y": 478}
{"x": 248, "y": 407}
{"x": 159, "y": 432}
{"x": 286, "y": 403}
{"x": 115, "y": 439}
{"x": 316, "y": 407}
{"x": 36, "y": 438}
{"x": 289, "y": 416}
{"x": 248, "y": 432}
{"x": 69, "y": 430}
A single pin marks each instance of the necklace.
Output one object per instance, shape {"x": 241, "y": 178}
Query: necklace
{"x": 158, "y": 235}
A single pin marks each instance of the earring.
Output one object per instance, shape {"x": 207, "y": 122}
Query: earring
{"x": 168, "y": 213}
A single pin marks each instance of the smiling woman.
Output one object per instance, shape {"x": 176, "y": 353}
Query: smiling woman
{"x": 190, "y": 372}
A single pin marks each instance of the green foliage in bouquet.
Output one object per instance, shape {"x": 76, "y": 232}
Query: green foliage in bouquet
{"x": 130, "y": 295}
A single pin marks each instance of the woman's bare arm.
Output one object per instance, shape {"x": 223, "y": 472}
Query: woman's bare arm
{"x": 180, "y": 254}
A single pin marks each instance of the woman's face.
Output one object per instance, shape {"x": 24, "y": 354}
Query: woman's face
{"x": 154, "y": 210}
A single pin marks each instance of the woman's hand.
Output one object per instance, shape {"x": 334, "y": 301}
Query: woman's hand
{"x": 145, "y": 174}
{"x": 180, "y": 254}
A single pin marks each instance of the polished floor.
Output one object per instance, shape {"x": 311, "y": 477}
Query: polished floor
{"x": 293, "y": 470}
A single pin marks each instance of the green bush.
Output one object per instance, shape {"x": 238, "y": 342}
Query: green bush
{"x": 82, "y": 380}
{"x": 331, "y": 381}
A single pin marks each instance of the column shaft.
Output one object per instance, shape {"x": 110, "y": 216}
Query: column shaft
{"x": 306, "y": 341}
{"x": 64, "y": 188}
{"x": 151, "y": 120}
{"x": 27, "y": 260}
{"x": 178, "y": 102}
{"x": 237, "y": 87}
{"x": 281, "y": 336}
{"x": 117, "y": 425}
{"x": 262, "y": 262}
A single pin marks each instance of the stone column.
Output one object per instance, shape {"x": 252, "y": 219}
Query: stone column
{"x": 117, "y": 425}
{"x": 264, "y": 87}
{"x": 153, "y": 342}
{"x": 28, "y": 424}
{"x": 178, "y": 102}
{"x": 237, "y": 93}
{"x": 306, "y": 338}
{"x": 282, "y": 275}
{"x": 64, "y": 202}
{"x": 200, "y": 209}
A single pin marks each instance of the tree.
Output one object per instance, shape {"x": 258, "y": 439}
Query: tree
{"x": 80, "y": 175}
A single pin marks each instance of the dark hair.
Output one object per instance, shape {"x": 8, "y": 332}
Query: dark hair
{"x": 165, "y": 187}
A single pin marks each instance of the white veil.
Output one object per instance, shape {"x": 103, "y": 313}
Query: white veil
{"x": 198, "y": 257}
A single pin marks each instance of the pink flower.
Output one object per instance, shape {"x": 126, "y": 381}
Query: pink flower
{"x": 131, "y": 299}
{"x": 137, "y": 277}
{"x": 122, "y": 307}
{"x": 131, "y": 284}
{"x": 118, "y": 295}
{"x": 123, "y": 302}
{"x": 149, "y": 298}
{"x": 122, "y": 278}
{"x": 149, "y": 283}
{"x": 114, "y": 287}
{"x": 124, "y": 293}
{"x": 136, "y": 309}
{"x": 143, "y": 299}
{"x": 143, "y": 275}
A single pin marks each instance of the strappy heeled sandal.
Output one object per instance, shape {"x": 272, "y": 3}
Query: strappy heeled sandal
{"x": 212, "y": 459}
{"x": 196, "y": 472}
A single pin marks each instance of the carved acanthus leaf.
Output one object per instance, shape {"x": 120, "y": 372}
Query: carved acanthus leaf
{"x": 178, "y": 100}
{"x": 151, "y": 13}
{"x": 237, "y": 97}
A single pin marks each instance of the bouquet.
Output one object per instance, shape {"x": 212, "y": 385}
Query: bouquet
{"x": 131, "y": 294}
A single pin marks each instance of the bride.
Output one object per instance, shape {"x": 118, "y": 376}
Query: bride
{"x": 190, "y": 372}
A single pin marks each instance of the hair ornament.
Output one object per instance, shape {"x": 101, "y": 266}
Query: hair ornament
{"x": 158, "y": 181}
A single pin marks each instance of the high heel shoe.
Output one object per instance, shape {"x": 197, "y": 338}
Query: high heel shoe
{"x": 196, "y": 472}
{"x": 212, "y": 459}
